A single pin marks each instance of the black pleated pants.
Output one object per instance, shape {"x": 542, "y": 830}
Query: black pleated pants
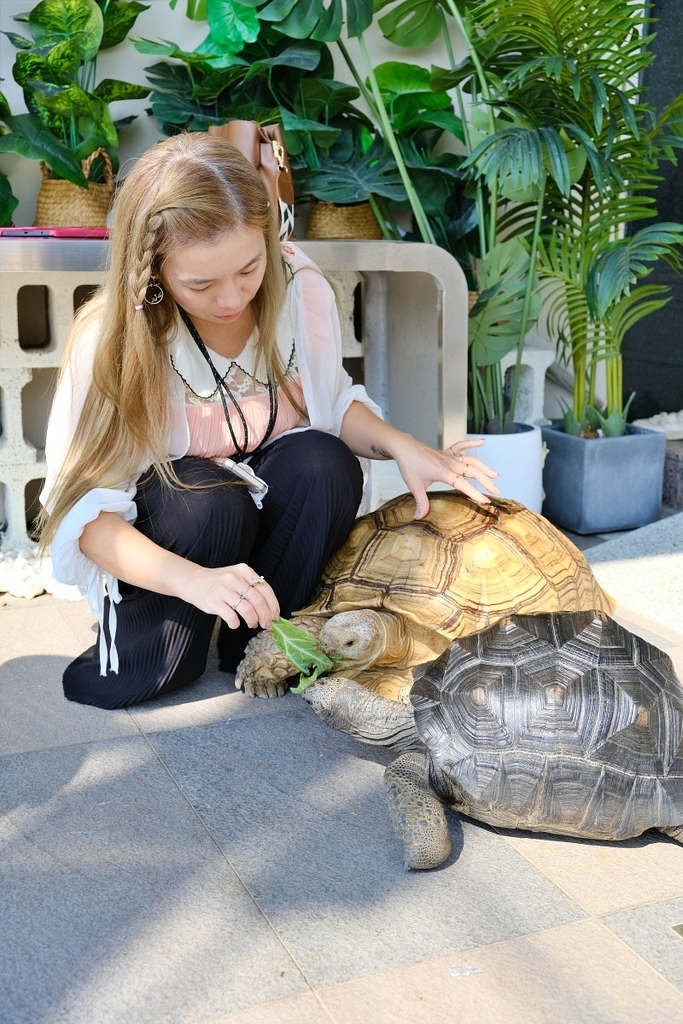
{"x": 315, "y": 485}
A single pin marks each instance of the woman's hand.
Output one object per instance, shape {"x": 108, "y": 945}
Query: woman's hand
{"x": 234, "y": 592}
{"x": 421, "y": 466}
{"x": 370, "y": 437}
{"x": 231, "y": 591}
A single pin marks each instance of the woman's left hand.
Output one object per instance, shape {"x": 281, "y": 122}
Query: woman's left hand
{"x": 421, "y": 466}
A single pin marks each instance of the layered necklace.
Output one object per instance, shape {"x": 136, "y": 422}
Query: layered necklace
{"x": 226, "y": 395}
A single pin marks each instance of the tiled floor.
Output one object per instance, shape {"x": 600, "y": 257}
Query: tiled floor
{"x": 211, "y": 859}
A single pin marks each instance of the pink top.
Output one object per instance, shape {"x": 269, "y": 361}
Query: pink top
{"x": 210, "y": 435}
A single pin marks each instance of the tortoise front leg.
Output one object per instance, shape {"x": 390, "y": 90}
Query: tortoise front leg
{"x": 674, "y": 831}
{"x": 416, "y": 812}
{"x": 264, "y": 671}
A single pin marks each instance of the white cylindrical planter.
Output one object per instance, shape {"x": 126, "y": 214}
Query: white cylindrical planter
{"x": 518, "y": 460}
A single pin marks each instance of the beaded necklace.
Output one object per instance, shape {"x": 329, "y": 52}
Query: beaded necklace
{"x": 241, "y": 451}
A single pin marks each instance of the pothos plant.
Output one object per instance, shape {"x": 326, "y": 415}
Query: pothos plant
{"x": 69, "y": 115}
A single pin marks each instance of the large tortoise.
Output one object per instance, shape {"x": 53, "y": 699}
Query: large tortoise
{"x": 399, "y": 590}
{"x": 558, "y": 723}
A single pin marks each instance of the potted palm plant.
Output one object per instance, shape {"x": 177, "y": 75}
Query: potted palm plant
{"x": 497, "y": 250}
{"x": 69, "y": 126}
{"x": 564, "y": 136}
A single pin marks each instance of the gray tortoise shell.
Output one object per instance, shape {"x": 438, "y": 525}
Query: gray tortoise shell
{"x": 566, "y": 723}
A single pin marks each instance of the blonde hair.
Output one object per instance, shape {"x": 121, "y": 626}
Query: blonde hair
{"x": 188, "y": 189}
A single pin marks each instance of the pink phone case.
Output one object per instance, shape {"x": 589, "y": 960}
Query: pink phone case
{"x": 56, "y": 232}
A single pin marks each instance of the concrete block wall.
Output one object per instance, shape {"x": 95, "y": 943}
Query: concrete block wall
{"x": 31, "y": 350}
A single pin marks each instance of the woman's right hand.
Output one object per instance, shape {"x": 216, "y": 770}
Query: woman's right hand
{"x": 234, "y": 592}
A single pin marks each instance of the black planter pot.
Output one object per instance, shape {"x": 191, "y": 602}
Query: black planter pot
{"x": 601, "y": 484}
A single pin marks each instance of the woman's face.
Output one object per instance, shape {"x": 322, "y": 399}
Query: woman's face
{"x": 215, "y": 281}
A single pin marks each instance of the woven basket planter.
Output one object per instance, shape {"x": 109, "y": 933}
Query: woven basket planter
{"x": 63, "y": 204}
{"x": 356, "y": 220}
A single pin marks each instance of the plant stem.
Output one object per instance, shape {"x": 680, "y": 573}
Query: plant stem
{"x": 420, "y": 217}
{"x": 380, "y": 217}
{"x": 486, "y": 96}
{"x": 526, "y": 308}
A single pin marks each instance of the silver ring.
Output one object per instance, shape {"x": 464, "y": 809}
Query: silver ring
{"x": 459, "y": 458}
{"x": 240, "y": 598}
{"x": 255, "y": 583}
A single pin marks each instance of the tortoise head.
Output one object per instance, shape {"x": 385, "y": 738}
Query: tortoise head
{"x": 357, "y": 637}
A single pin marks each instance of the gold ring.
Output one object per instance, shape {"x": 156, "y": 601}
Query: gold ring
{"x": 464, "y": 472}
{"x": 459, "y": 458}
{"x": 255, "y": 583}
{"x": 240, "y": 598}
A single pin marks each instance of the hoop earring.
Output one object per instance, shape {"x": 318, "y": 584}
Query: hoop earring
{"x": 155, "y": 293}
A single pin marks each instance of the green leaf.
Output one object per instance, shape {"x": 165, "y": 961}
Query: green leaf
{"x": 316, "y": 19}
{"x": 119, "y": 18}
{"x": 231, "y": 24}
{"x": 300, "y": 649}
{"x": 626, "y": 260}
{"x": 31, "y": 139}
{"x": 53, "y": 21}
{"x": 323, "y": 135}
{"x": 495, "y": 320}
{"x": 412, "y": 23}
{"x": 8, "y": 201}
{"x": 4, "y": 107}
{"x": 304, "y": 55}
{"x": 19, "y": 42}
{"x": 110, "y": 89}
{"x": 354, "y": 181}
{"x": 92, "y": 114}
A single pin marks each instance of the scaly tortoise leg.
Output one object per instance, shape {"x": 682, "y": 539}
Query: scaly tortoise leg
{"x": 264, "y": 671}
{"x": 416, "y": 812}
{"x": 674, "y": 831}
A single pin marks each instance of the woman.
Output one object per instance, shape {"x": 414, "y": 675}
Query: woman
{"x": 203, "y": 443}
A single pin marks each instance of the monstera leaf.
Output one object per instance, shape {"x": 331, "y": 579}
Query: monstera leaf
{"x": 495, "y": 321}
{"x": 412, "y": 23}
{"x": 354, "y": 180}
{"x": 316, "y": 19}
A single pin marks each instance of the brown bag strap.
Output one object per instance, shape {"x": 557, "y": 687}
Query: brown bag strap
{"x": 263, "y": 146}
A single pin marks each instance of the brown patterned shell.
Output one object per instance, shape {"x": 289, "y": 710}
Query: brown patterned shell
{"x": 461, "y": 569}
{"x": 556, "y": 723}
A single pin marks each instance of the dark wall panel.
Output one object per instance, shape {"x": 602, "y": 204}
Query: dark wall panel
{"x": 653, "y": 350}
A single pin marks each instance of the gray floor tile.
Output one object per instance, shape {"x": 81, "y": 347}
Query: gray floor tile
{"x": 37, "y": 646}
{"x": 116, "y": 905}
{"x": 579, "y": 973}
{"x": 36, "y": 628}
{"x": 213, "y": 698}
{"x": 650, "y": 932}
{"x": 301, "y": 814}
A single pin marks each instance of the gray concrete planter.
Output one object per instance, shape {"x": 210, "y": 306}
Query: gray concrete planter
{"x": 605, "y": 483}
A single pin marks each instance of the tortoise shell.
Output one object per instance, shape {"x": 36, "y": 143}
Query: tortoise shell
{"x": 460, "y": 569}
{"x": 561, "y": 723}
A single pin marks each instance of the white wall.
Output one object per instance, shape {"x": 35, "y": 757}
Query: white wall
{"x": 124, "y": 62}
